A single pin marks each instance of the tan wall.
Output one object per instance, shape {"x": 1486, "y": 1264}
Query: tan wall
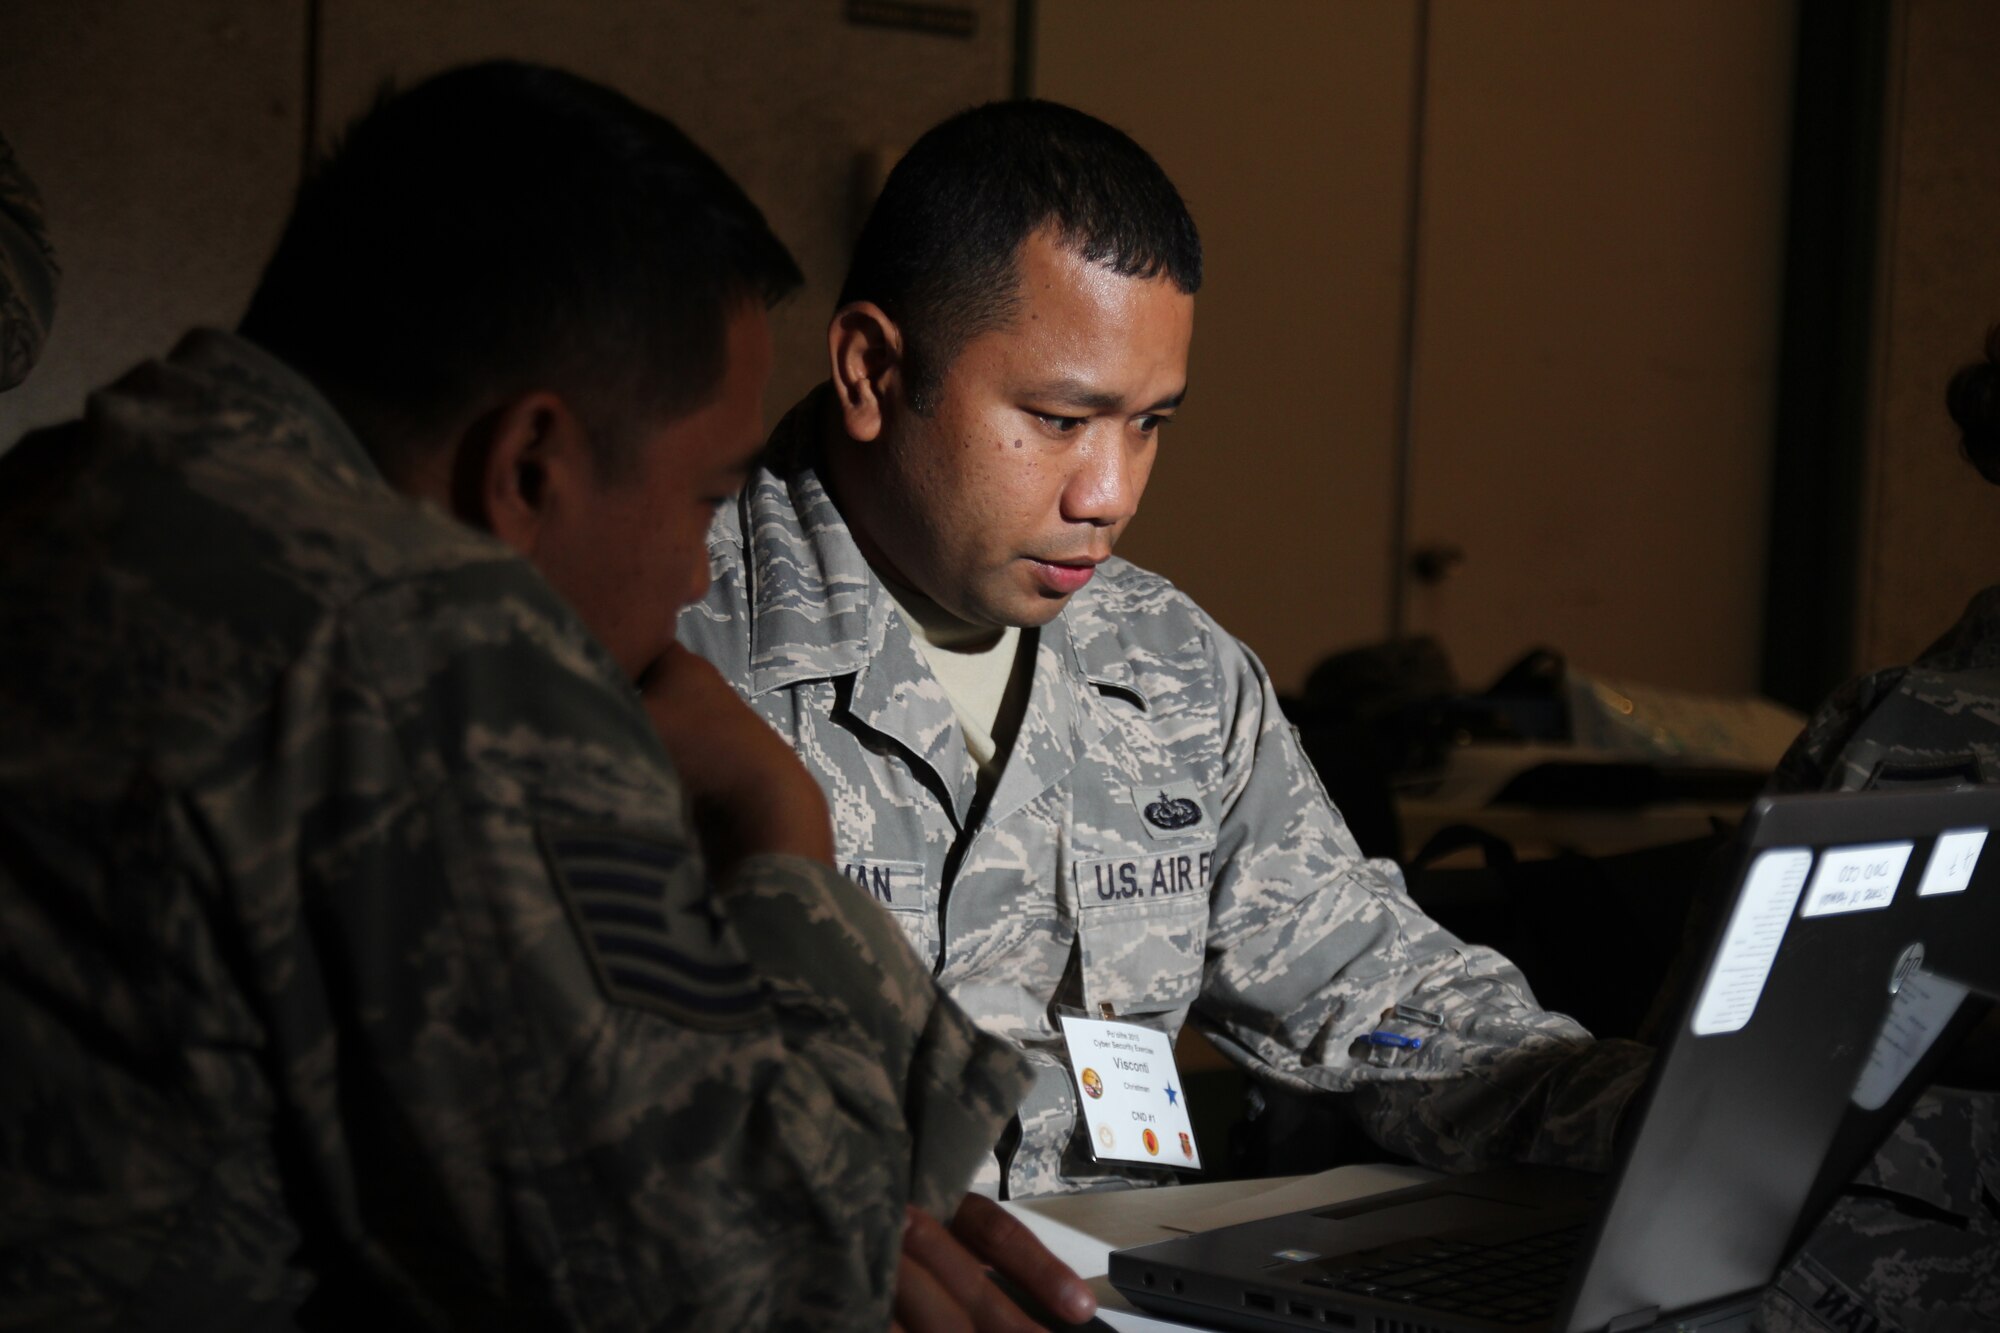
{"x": 1286, "y": 127}
{"x": 1596, "y": 367}
{"x": 1599, "y": 270}
{"x": 784, "y": 93}
{"x": 1931, "y": 532}
{"x": 167, "y": 138}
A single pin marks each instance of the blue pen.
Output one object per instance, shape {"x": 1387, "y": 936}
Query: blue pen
{"x": 1381, "y": 1037}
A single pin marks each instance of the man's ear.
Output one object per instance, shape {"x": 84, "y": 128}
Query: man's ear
{"x": 521, "y": 468}
{"x": 866, "y": 349}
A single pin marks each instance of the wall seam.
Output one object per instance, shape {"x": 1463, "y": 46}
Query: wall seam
{"x": 1864, "y": 650}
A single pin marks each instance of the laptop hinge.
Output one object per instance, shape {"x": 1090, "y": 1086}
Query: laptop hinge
{"x": 1624, "y": 1323}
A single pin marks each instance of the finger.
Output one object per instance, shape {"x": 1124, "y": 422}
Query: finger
{"x": 1001, "y": 1239}
{"x": 922, "y": 1303}
{"x": 927, "y": 1241}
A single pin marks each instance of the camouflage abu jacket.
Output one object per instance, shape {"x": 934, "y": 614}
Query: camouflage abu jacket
{"x": 357, "y": 959}
{"x": 28, "y": 272}
{"x": 1917, "y": 1243}
{"x": 1157, "y": 841}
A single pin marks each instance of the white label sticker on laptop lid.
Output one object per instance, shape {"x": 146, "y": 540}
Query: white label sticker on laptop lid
{"x": 1750, "y": 944}
{"x": 1952, "y": 862}
{"x": 1924, "y": 1003}
{"x": 1856, "y": 879}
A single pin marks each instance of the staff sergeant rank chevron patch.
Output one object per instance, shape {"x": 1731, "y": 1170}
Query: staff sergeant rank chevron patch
{"x": 655, "y": 937}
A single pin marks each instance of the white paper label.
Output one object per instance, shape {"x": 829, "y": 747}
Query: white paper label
{"x": 1130, "y": 1092}
{"x": 1856, "y": 879}
{"x": 1950, "y": 868}
{"x": 1923, "y": 1005}
{"x": 1750, "y": 945}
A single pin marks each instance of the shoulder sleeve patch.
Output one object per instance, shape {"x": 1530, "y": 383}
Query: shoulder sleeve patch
{"x": 655, "y": 936}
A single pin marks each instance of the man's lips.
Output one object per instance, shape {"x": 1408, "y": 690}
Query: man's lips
{"x": 1065, "y": 576}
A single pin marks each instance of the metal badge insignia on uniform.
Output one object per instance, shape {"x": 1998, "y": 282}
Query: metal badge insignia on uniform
{"x": 655, "y": 937}
{"x": 1170, "y": 809}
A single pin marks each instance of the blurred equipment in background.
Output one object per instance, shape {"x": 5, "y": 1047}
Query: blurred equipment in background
{"x": 1563, "y": 819}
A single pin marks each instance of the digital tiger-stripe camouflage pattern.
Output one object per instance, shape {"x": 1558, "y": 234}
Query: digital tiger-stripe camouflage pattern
{"x": 1156, "y": 841}
{"x": 1916, "y": 1243}
{"x": 360, "y": 967}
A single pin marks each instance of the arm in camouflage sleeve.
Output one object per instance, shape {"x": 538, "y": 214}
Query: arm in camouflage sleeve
{"x": 514, "y": 1114}
{"x": 1811, "y": 761}
{"x": 1310, "y": 947}
{"x": 28, "y": 272}
{"x": 963, "y": 1083}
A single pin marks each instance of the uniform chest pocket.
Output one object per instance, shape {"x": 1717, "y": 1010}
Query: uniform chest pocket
{"x": 905, "y": 892}
{"x": 1143, "y": 919}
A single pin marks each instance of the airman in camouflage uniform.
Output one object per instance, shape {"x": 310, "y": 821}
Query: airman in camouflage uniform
{"x": 28, "y": 271}
{"x": 1916, "y": 1243}
{"x": 361, "y": 964}
{"x": 1072, "y": 887}
{"x": 1012, "y": 335}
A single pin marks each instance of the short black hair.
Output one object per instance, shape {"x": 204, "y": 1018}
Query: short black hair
{"x": 1973, "y": 399}
{"x": 940, "y": 250}
{"x": 504, "y": 227}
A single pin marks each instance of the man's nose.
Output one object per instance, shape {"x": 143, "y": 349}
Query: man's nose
{"x": 1104, "y": 489}
{"x": 697, "y": 581}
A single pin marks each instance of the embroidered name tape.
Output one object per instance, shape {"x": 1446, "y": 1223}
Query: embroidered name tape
{"x": 1122, "y": 879}
{"x": 654, "y": 936}
{"x": 897, "y": 885}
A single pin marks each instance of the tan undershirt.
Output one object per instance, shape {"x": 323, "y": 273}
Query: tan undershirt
{"x": 985, "y": 673}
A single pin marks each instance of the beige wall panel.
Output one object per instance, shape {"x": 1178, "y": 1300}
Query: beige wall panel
{"x": 1286, "y": 127}
{"x": 1932, "y": 534}
{"x": 1598, "y": 331}
{"x": 166, "y": 141}
{"x": 784, "y": 93}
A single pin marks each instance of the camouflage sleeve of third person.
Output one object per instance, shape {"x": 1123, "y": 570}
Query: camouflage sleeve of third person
{"x": 1312, "y": 947}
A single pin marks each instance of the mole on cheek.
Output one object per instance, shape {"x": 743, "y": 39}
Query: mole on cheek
{"x": 1017, "y": 444}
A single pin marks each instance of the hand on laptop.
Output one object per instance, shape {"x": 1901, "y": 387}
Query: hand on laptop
{"x": 747, "y": 790}
{"x": 943, "y": 1283}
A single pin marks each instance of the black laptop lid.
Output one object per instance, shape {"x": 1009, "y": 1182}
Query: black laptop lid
{"x": 1755, "y": 1082}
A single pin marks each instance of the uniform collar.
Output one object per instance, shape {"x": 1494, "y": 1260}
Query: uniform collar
{"x": 240, "y": 368}
{"x": 817, "y": 610}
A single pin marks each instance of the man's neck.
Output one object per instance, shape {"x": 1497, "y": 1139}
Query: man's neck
{"x": 839, "y": 472}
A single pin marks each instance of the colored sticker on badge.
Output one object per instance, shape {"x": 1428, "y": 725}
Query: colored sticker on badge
{"x": 1171, "y": 810}
{"x": 654, "y": 936}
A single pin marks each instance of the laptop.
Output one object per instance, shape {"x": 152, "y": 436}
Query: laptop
{"x": 1840, "y": 900}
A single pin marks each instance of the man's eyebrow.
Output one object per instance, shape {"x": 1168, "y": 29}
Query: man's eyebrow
{"x": 1078, "y": 393}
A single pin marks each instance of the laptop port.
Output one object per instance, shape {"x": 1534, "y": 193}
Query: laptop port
{"x": 1338, "y": 1318}
{"x": 1303, "y": 1311}
{"x": 1260, "y": 1302}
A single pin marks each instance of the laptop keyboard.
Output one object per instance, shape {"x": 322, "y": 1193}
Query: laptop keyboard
{"x": 1515, "y": 1281}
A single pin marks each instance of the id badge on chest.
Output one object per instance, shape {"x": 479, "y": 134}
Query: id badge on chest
{"x": 1130, "y": 1090}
